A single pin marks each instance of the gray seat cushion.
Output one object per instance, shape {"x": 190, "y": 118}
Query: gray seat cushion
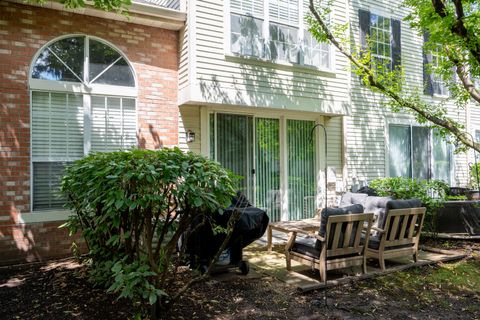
{"x": 306, "y": 246}
{"x": 350, "y": 198}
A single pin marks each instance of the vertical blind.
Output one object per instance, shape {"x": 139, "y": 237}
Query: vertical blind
{"x": 301, "y": 169}
{"x": 113, "y": 123}
{"x": 267, "y": 178}
{"x": 399, "y": 151}
{"x": 57, "y": 138}
{"x": 235, "y": 148}
{"x": 418, "y": 152}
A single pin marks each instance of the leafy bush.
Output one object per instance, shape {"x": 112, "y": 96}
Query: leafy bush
{"x": 432, "y": 193}
{"x": 475, "y": 176}
{"x": 126, "y": 206}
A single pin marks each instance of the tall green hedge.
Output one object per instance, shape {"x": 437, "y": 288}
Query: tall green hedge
{"x": 127, "y": 208}
{"x": 432, "y": 193}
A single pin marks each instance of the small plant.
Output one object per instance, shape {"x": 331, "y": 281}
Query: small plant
{"x": 456, "y": 198}
{"x": 475, "y": 176}
{"x": 127, "y": 207}
{"x": 432, "y": 194}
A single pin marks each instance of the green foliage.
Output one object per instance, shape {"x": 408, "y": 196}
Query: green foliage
{"x": 455, "y": 198}
{"x": 432, "y": 193}
{"x": 120, "y": 6}
{"x": 453, "y": 38}
{"x": 126, "y": 206}
{"x": 475, "y": 176}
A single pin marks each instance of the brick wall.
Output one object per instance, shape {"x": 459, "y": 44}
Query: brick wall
{"x": 24, "y": 30}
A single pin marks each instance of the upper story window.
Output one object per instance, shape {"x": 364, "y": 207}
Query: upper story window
{"x": 246, "y": 26}
{"x": 82, "y": 99}
{"x": 382, "y": 36}
{"x": 433, "y": 58}
{"x": 275, "y": 32}
{"x": 418, "y": 152}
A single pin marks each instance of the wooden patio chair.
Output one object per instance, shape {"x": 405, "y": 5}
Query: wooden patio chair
{"x": 400, "y": 233}
{"x": 343, "y": 244}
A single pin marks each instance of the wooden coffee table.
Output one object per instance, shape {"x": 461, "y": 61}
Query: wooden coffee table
{"x": 312, "y": 224}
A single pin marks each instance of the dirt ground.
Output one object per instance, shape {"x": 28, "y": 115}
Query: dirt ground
{"x": 60, "y": 290}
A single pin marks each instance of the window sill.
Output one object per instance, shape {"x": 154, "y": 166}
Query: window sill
{"x": 440, "y": 96}
{"x": 44, "y": 216}
{"x": 287, "y": 65}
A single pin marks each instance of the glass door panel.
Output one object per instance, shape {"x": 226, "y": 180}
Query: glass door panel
{"x": 267, "y": 162}
{"x": 301, "y": 169}
{"x": 234, "y": 148}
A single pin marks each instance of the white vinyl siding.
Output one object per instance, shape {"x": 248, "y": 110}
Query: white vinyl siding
{"x": 367, "y": 125}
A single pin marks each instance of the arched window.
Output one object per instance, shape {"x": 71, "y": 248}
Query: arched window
{"x": 83, "y": 94}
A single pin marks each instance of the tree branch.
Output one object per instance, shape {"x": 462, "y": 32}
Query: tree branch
{"x": 458, "y": 28}
{"x": 367, "y": 72}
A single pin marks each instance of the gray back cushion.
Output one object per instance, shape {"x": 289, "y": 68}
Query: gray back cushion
{"x": 327, "y": 212}
{"x": 377, "y": 206}
{"x": 404, "y": 204}
{"x": 350, "y": 198}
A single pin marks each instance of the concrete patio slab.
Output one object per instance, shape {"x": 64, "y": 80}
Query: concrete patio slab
{"x": 273, "y": 264}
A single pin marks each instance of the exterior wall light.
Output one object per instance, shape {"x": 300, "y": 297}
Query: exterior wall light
{"x": 190, "y": 136}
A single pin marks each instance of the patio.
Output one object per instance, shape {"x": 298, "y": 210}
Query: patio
{"x": 272, "y": 263}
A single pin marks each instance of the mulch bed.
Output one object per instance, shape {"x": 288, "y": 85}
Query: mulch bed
{"x": 60, "y": 290}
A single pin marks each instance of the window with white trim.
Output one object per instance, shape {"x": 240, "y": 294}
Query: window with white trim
{"x": 82, "y": 99}
{"x": 439, "y": 85}
{"x": 380, "y": 35}
{"x": 276, "y": 32}
{"x": 418, "y": 152}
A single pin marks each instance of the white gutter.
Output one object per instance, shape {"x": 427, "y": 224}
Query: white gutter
{"x": 139, "y": 13}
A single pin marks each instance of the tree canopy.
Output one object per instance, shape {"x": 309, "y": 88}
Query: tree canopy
{"x": 452, "y": 28}
{"x": 106, "y": 5}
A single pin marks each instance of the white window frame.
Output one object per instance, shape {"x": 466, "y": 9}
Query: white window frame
{"x": 282, "y": 116}
{"x": 86, "y": 89}
{"x": 302, "y": 29}
{"x": 410, "y": 123}
{"x": 436, "y": 78}
{"x": 375, "y": 55}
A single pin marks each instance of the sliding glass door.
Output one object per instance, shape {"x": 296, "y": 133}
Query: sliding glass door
{"x": 250, "y": 147}
{"x": 234, "y": 148}
{"x": 301, "y": 169}
{"x": 267, "y": 162}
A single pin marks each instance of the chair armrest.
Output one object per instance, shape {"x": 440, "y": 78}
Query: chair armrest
{"x": 293, "y": 232}
{"x": 377, "y": 229}
{"x": 310, "y": 234}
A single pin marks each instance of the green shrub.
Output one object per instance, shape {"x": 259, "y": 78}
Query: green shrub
{"x": 475, "y": 176}
{"x": 432, "y": 193}
{"x": 126, "y": 206}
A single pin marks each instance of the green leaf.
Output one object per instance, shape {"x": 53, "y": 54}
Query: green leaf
{"x": 152, "y": 298}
